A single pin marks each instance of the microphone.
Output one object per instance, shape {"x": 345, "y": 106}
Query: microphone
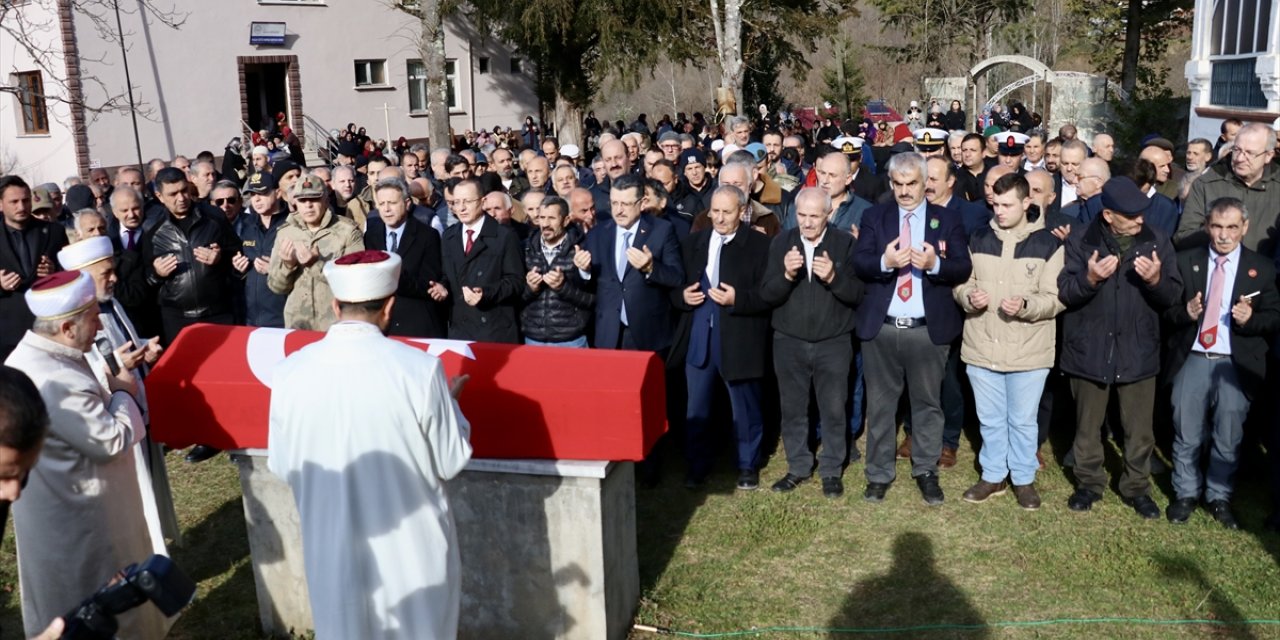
{"x": 104, "y": 349}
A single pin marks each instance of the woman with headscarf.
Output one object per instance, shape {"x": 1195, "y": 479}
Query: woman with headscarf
{"x": 233, "y": 163}
{"x": 529, "y": 133}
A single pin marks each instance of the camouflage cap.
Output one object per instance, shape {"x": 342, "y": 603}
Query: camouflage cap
{"x": 308, "y": 187}
{"x": 40, "y": 199}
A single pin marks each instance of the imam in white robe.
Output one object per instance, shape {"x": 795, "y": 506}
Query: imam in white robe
{"x": 80, "y": 519}
{"x": 365, "y": 432}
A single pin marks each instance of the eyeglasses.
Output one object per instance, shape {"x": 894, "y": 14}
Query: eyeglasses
{"x": 1248, "y": 155}
{"x": 618, "y": 203}
{"x": 469, "y": 201}
{"x": 218, "y": 202}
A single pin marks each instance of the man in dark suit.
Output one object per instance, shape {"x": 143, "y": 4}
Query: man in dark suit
{"x": 635, "y": 261}
{"x": 1217, "y": 359}
{"x": 939, "y": 190}
{"x": 723, "y": 334}
{"x": 910, "y": 253}
{"x": 28, "y": 251}
{"x": 415, "y": 313}
{"x": 811, "y": 285}
{"x": 483, "y": 272}
{"x": 133, "y": 292}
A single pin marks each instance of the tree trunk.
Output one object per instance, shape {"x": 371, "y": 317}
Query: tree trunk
{"x": 568, "y": 121}
{"x": 431, "y": 50}
{"x": 1132, "y": 47}
{"x": 728, "y": 31}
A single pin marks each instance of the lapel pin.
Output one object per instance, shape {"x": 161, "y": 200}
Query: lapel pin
{"x": 933, "y": 224}
{"x": 1253, "y": 273}
{"x": 1195, "y": 268}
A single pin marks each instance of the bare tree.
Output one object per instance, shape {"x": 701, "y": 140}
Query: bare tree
{"x": 34, "y": 26}
{"x": 431, "y": 15}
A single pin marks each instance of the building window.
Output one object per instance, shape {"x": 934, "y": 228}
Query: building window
{"x": 418, "y": 86}
{"x": 483, "y": 65}
{"x": 371, "y": 73}
{"x": 1240, "y": 27}
{"x": 30, "y": 94}
{"x": 517, "y": 65}
{"x": 1235, "y": 84}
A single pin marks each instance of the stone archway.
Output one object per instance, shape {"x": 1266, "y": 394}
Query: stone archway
{"x": 1040, "y": 73}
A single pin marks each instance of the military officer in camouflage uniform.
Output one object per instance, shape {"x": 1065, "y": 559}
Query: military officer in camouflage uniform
{"x": 311, "y": 237}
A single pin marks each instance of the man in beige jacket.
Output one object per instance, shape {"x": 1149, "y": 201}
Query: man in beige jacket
{"x": 311, "y": 237}
{"x": 1009, "y": 302}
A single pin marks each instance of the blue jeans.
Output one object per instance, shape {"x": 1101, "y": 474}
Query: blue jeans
{"x": 579, "y": 342}
{"x": 1007, "y": 405}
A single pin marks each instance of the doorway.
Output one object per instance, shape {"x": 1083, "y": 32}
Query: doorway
{"x": 266, "y": 93}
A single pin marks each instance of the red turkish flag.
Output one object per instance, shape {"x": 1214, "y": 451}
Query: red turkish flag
{"x": 212, "y": 387}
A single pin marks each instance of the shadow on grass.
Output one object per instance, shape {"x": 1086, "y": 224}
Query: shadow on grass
{"x": 216, "y": 545}
{"x": 1214, "y": 606}
{"x": 912, "y": 594}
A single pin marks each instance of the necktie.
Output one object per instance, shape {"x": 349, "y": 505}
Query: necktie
{"x": 1213, "y": 305}
{"x": 622, "y": 253}
{"x": 394, "y": 245}
{"x": 714, "y": 277}
{"x": 904, "y": 273}
{"x": 130, "y": 244}
{"x": 470, "y": 241}
{"x": 23, "y": 252}
{"x": 622, "y": 269}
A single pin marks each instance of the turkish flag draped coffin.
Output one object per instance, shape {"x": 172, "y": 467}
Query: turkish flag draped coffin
{"x": 212, "y": 387}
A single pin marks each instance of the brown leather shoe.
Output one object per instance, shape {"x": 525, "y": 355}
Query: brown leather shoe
{"x": 983, "y": 490}
{"x": 904, "y": 449}
{"x": 948, "y": 458}
{"x": 1027, "y": 496}
{"x": 1040, "y": 459}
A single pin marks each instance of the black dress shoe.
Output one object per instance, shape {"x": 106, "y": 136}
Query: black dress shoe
{"x": 200, "y": 453}
{"x": 1082, "y": 500}
{"x": 788, "y": 483}
{"x": 832, "y": 487}
{"x": 875, "y": 491}
{"x": 1221, "y": 511}
{"x": 929, "y": 489}
{"x": 748, "y": 480}
{"x": 1180, "y": 510}
{"x": 1144, "y": 506}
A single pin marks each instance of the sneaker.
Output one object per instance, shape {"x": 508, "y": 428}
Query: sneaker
{"x": 1027, "y": 496}
{"x": 788, "y": 483}
{"x": 929, "y": 489}
{"x": 904, "y": 449}
{"x": 832, "y": 487}
{"x": 980, "y": 492}
{"x": 1082, "y": 500}
{"x": 748, "y": 480}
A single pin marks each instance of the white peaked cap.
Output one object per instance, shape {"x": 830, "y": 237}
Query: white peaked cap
{"x": 61, "y": 295}
{"x": 79, "y": 255}
{"x": 363, "y": 276}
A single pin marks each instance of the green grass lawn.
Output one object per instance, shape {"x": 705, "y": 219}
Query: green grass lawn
{"x": 721, "y": 561}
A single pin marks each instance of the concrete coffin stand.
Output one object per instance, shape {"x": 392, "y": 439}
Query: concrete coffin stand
{"x": 548, "y": 548}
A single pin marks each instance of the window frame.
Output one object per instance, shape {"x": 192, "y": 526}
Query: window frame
{"x": 31, "y": 98}
{"x": 370, "y": 65}
{"x": 453, "y": 79}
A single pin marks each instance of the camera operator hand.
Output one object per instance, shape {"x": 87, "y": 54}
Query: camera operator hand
{"x": 53, "y": 632}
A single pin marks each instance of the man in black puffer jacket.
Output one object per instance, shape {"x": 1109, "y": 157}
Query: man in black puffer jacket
{"x": 557, "y": 302}
{"x": 188, "y": 257}
{"x": 1118, "y": 276}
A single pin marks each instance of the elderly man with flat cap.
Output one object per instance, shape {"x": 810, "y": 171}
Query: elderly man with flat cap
{"x": 81, "y": 519}
{"x": 1118, "y": 276}
{"x": 375, "y": 567}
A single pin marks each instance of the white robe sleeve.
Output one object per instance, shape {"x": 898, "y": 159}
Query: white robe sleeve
{"x": 99, "y": 428}
{"x": 446, "y": 430}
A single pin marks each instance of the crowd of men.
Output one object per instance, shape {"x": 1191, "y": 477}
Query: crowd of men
{"x": 831, "y": 282}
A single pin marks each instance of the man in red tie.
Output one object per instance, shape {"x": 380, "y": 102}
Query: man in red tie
{"x": 483, "y": 271}
{"x": 1118, "y": 276}
{"x": 1217, "y": 359}
{"x": 910, "y": 253}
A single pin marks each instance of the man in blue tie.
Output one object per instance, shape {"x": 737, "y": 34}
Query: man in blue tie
{"x": 723, "y": 334}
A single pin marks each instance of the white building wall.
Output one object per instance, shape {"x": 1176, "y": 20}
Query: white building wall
{"x": 37, "y": 158}
{"x": 187, "y": 87}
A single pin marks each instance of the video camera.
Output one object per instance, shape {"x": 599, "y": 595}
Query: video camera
{"x": 157, "y": 580}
